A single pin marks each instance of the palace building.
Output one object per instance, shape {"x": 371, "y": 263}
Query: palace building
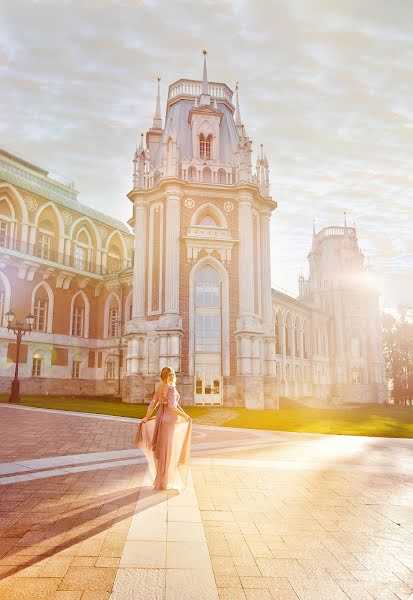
{"x": 190, "y": 287}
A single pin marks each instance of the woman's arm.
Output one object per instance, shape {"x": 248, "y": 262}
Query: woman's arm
{"x": 152, "y": 406}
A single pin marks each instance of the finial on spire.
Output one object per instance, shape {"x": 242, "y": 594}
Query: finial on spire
{"x": 262, "y": 151}
{"x": 141, "y": 144}
{"x": 157, "y": 120}
{"x": 237, "y": 111}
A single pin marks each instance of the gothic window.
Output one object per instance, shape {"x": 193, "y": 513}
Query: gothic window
{"x": 78, "y": 318}
{"x": 208, "y": 317}
{"x": 297, "y": 338}
{"x": 205, "y": 146}
{"x": 202, "y": 146}
{"x": 40, "y": 310}
{"x": 76, "y": 369}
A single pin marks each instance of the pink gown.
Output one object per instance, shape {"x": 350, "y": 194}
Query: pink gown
{"x": 166, "y": 441}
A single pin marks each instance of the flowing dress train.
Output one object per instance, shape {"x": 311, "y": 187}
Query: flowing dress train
{"x": 166, "y": 441}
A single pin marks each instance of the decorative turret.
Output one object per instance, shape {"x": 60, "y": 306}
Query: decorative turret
{"x": 140, "y": 165}
{"x": 263, "y": 176}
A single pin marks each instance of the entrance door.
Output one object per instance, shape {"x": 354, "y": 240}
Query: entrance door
{"x": 208, "y": 373}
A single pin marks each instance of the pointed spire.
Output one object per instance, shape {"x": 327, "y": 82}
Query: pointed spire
{"x": 262, "y": 151}
{"x": 141, "y": 144}
{"x": 205, "y": 97}
{"x": 345, "y": 219}
{"x": 237, "y": 111}
{"x": 157, "y": 119}
{"x": 204, "y": 76}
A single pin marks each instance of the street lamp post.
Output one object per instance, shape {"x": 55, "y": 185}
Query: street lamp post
{"x": 19, "y": 331}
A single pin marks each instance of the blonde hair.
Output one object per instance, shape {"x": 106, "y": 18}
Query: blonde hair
{"x": 167, "y": 374}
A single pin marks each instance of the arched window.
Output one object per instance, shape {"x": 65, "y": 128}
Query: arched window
{"x": 356, "y": 376}
{"x": 207, "y": 296}
{"x": 207, "y": 175}
{"x": 208, "y": 147}
{"x": 208, "y": 221}
{"x": 202, "y": 146}
{"x": 113, "y": 318}
{"x": 78, "y": 317}
{"x": 40, "y": 309}
{"x": 306, "y": 339}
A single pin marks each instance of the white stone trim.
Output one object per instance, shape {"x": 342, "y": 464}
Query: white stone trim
{"x": 213, "y": 209}
{"x": 225, "y": 342}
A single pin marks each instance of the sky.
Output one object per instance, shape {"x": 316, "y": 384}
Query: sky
{"x": 326, "y": 86}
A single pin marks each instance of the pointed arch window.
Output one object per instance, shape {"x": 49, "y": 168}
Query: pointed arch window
{"x": 40, "y": 310}
{"x": 205, "y": 146}
{"x": 208, "y": 221}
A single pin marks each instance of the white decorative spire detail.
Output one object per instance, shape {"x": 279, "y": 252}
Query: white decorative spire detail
{"x": 237, "y": 110}
{"x": 157, "y": 120}
{"x": 205, "y": 97}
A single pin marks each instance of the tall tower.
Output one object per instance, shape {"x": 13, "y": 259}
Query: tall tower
{"x": 202, "y": 284}
{"x": 339, "y": 284}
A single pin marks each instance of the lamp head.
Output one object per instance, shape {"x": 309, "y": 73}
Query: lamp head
{"x": 30, "y": 319}
{"x": 10, "y": 316}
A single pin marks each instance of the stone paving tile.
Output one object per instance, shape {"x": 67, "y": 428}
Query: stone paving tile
{"x": 319, "y": 534}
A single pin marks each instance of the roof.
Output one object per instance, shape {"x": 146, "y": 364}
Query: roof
{"x": 34, "y": 179}
{"x": 178, "y": 127}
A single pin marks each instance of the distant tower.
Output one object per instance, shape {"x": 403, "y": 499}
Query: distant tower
{"x": 339, "y": 285}
{"x": 202, "y": 280}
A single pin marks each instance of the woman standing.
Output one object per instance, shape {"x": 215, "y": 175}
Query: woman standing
{"x": 166, "y": 438}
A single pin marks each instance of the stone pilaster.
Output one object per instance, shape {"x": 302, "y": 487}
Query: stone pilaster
{"x": 139, "y": 273}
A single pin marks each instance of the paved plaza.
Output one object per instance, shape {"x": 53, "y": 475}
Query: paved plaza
{"x": 266, "y": 515}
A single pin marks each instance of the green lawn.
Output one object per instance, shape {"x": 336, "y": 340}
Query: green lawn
{"x": 373, "y": 420}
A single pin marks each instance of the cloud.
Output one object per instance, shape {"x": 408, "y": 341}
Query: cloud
{"x": 326, "y": 86}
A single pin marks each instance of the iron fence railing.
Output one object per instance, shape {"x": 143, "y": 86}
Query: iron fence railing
{"x": 44, "y": 252}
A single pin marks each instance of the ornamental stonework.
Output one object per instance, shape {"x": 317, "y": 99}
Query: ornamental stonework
{"x": 67, "y": 217}
{"x": 229, "y": 206}
{"x": 103, "y": 233}
{"x": 31, "y": 204}
{"x": 189, "y": 203}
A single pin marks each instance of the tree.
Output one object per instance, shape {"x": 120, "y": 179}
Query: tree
{"x": 398, "y": 354}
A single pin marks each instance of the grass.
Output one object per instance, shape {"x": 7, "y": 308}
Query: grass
{"x": 370, "y": 420}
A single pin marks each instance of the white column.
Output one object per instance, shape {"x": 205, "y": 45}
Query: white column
{"x": 172, "y": 253}
{"x": 139, "y": 272}
{"x": 266, "y": 294}
{"x": 246, "y": 273}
